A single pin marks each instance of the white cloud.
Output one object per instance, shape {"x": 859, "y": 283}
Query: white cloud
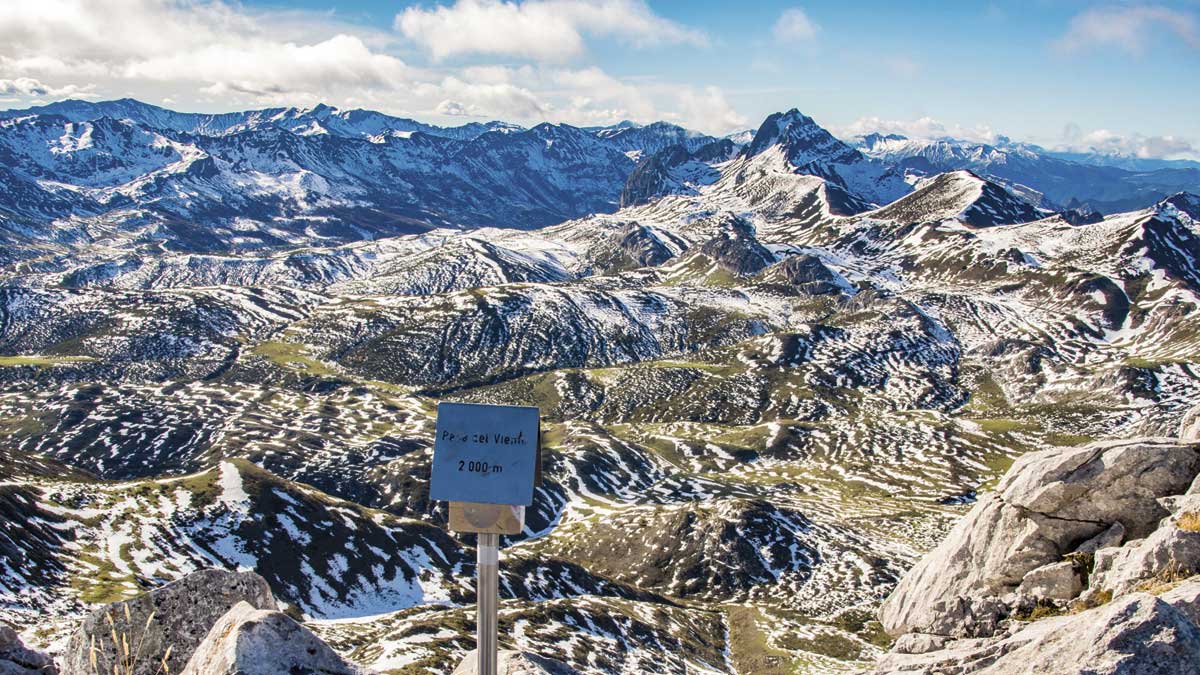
{"x": 503, "y": 100}
{"x": 541, "y": 30}
{"x": 452, "y": 109}
{"x": 922, "y": 128}
{"x": 1107, "y": 142}
{"x": 31, "y": 88}
{"x": 708, "y": 111}
{"x": 218, "y": 48}
{"x": 1129, "y": 28}
{"x": 794, "y": 25}
{"x": 273, "y": 67}
{"x": 212, "y": 55}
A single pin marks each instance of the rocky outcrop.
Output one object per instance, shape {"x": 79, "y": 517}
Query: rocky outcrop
{"x": 651, "y": 178}
{"x": 212, "y": 622}
{"x": 1138, "y": 634}
{"x": 1170, "y": 551}
{"x": 1082, "y": 561}
{"x": 1189, "y": 427}
{"x": 249, "y": 641}
{"x": 738, "y": 252}
{"x": 17, "y": 659}
{"x": 516, "y": 663}
{"x": 809, "y": 273}
{"x": 1056, "y": 581}
{"x": 1047, "y": 506}
{"x": 183, "y": 613}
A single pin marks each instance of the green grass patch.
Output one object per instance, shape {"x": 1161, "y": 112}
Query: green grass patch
{"x": 43, "y": 361}
{"x": 292, "y": 356}
{"x": 749, "y": 647}
{"x": 1003, "y": 425}
{"x": 102, "y": 585}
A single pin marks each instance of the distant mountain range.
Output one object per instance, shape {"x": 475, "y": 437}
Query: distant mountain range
{"x": 1107, "y": 183}
{"x": 128, "y": 173}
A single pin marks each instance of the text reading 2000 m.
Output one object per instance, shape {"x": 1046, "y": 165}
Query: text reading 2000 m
{"x": 479, "y": 467}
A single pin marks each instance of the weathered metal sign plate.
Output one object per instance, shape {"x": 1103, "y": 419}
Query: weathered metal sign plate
{"x": 485, "y": 454}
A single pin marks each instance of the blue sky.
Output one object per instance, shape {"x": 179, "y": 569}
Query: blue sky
{"x": 1118, "y": 76}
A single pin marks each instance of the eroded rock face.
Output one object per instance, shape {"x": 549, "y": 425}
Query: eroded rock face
{"x": 249, "y": 641}
{"x": 1047, "y": 505}
{"x": 517, "y": 663}
{"x": 184, "y": 611}
{"x": 17, "y": 659}
{"x": 1168, "y": 553}
{"x": 810, "y": 273}
{"x": 1056, "y": 581}
{"x": 1138, "y": 634}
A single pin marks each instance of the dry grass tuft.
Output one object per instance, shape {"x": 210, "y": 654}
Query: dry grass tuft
{"x": 1167, "y": 578}
{"x": 127, "y": 647}
{"x": 1189, "y": 522}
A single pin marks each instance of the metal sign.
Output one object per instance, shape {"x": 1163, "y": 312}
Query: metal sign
{"x": 485, "y": 454}
{"x": 486, "y": 460}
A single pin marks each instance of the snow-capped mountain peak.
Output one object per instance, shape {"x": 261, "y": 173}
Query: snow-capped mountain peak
{"x": 806, "y": 148}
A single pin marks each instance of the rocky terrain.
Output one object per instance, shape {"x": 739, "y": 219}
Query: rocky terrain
{"x": 1080, "y": 562}
{"x": 775, "y": 374}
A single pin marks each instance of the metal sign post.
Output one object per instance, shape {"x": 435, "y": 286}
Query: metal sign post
{"x": 487, "y": 591}
{"x": 486, "y": 462}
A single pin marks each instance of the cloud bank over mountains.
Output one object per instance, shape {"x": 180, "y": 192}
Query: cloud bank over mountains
{"x": 225, "y": 55}
{"x": 524, "y": 61}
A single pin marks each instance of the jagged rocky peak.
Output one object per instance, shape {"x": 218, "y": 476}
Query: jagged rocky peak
{"x": 802, "y": 140}
{"x": 793, "y": 143}
{"x": 652, "y": 176}
{"x": 871, "y": 141}
{"x": 1081, "y": 215}
{"x": 1167, "y": 238}
{"x": 638, "y": 140}
{"x": 1184, "y": 202}
{"x": 676, "y": 169}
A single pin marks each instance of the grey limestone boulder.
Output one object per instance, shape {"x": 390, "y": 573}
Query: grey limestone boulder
{"x": 1138, "y": 634}
{"x": 249, "y": 641}
{"x": 1056, "y": 581}
{"x": 1113, "y": 536}
{"x": 1189, "y": 427}
{"x": 517, "y": 663}
{"x": 17, "y": 659}
{"x": 1168, "y": 554}
{"x": 184, "y": 612}
{"x": 1046, "y": 506}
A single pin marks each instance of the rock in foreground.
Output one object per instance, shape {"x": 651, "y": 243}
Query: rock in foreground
{"x": 1083, "y": 561}
{"x": 17, "y": 659}
{"x": 184, "y": 612}
{"x": 1138, "y": 634}
{"x": 1049, "y": 505}
{"x": 249, "y": 641}
{"x": 517, "y": 663}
